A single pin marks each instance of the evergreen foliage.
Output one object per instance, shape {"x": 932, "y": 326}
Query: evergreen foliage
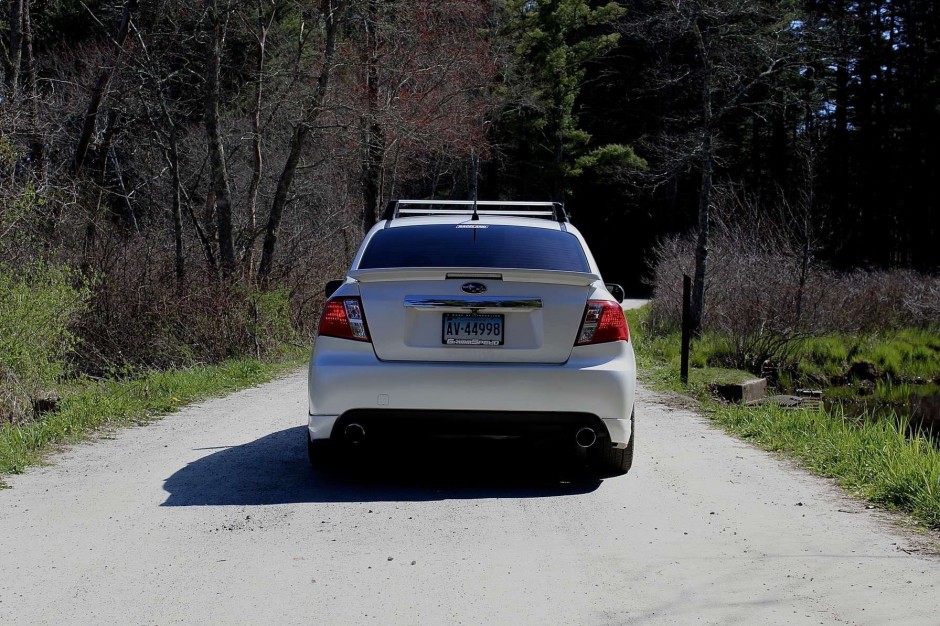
{"x": 554, "y": 42}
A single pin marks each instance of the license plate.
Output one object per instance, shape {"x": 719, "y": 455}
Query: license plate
{"x": 473, "y": 330}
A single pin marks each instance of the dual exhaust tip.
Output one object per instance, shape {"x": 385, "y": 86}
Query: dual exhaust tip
{"x": 585, "y": 437}
{"x": 356, "y": 433}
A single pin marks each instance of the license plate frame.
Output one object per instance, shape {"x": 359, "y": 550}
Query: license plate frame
{"x": 456, "y": 338}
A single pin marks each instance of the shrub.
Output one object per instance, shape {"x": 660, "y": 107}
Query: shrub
{"x": 141, "y": 319}
{"x": 762, "y": 297}
{"x": 37, "y": 307}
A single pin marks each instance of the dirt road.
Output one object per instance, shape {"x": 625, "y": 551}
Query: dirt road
{"x": 212, "y": 515}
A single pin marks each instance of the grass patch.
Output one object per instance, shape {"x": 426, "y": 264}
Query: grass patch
{"x": 658, "y": 358}
{"x": 910, "y": 354}
{"x": 876, "y": 460}
{"x": 887, "y": 393}
{"x": 88, "y": 406}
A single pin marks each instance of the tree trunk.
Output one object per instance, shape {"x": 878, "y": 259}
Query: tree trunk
{"x": 474, "y": 176}
{"x": 757, "y": 154}
{"x": 131, "y": 216}
{"x": 180, "y": 198}
{"x": 284, "y": 182}
{"x": 258, "y": 164}
{"x": 701, "y": 248}
{"x": 91, "y": 225}
{"x": 100, "y": 89}
{"x": 16, "y": 47}
{"x": 177, "y": 207}
{"x": 558, "y": 183}
{"x": 203, "y": 237}
{"x": 705, "y": 190}
{"x": 219, "y": 173}
{"x": 37, "y": 148}
{"x": 298, "y": 140}
{"x": 840, "y": 183}
{"x": 29, "y": 61}
{"x": 373, "y": 158}
{"x": 807, "y": 229}
{"x": 373, "y": 138}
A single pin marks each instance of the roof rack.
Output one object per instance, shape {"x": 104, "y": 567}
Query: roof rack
{"x": 554, "y": 211}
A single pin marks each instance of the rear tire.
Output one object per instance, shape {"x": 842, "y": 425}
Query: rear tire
{"x": 613, "y": 461}
{"x": 321, "y": 452}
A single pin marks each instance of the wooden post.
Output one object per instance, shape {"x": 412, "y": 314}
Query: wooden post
{"x": 686, "y": 328}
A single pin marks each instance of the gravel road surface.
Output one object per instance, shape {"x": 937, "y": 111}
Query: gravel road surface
{"x": 212, "y": 515}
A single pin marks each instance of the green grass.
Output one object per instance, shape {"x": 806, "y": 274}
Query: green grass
{"x": 89, "y": 406}
{"x": 910, "y": 354}
{"x": 875, "y": 459}
{"x": 889, "y": 393}
{"x": 658, "y": 359}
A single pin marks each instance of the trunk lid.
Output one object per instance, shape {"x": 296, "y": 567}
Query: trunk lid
{"x": 534, "y": 315}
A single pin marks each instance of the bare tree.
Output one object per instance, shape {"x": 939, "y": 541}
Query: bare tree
{"x": 100, "y": 88}
{"x": 310, "y": 113}
{"x": 707, "y": 165}
{"x": 15, "y": 52}
{"x": 373, "y": 137}
{"x": 264, "y": 19}
{"x": 736, "y": 45}
{"x": 422, "y": 86}
{"x": 220, "y": 189}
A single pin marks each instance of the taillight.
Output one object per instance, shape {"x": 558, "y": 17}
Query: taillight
{"x": 344, "y": 318}
{"x": 603, "y": 322}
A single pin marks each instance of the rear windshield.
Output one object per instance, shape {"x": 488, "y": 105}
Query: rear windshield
{"x": 475, "y": 245}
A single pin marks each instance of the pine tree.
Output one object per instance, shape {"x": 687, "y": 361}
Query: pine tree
{"x": 554, "y": 40}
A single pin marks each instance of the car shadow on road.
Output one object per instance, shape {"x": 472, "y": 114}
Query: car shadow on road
{"x": 275, "y": 470}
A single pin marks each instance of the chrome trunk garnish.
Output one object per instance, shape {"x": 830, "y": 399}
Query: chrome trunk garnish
{"x": 459, "y": 303}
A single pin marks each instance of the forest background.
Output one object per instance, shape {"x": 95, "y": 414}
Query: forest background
{"x": 178, "y": 179}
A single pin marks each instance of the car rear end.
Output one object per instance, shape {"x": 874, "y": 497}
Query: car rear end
{"x": 497, "y": 326}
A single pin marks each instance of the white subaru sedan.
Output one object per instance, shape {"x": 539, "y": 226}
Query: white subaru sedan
{"x": 465, "y": 319}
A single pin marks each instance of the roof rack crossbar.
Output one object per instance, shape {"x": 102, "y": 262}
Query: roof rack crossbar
{"x": 402, "y": 212}
{"x": 401, "y": 208}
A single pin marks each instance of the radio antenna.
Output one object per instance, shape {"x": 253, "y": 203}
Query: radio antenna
{"x": 473, "y": 189}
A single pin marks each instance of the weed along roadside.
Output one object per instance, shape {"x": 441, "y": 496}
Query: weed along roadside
{"x": 881, "y": 451}
{"x": 88, "y": 407}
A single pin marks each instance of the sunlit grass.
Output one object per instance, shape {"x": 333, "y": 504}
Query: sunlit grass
{"x": 907, "y": 355}
{"x": 904, "y": 355}
{"x": 89, "y": 406}
{"x": 658, "y": 358}
{"x": 880, "y": 460}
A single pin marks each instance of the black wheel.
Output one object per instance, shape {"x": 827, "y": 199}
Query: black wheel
{"x": 321, "y": 452}
{"x": 613, "y": 461}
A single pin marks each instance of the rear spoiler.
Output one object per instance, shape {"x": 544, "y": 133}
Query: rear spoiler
{"x": 554, "y": 277}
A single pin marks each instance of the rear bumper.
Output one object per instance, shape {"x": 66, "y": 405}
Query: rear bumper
{"x": 597, "y": 382}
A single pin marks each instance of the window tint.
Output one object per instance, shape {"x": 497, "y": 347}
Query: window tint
{"x": 475, "y": 245}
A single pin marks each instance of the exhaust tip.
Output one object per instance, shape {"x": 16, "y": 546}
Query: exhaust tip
{"x": 586, "y": 437}
{"x": 354, "y": 433}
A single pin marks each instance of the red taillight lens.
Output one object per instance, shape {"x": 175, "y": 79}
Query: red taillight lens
{"x": 344, "y": 318}
{"x": 603, "y": 322}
